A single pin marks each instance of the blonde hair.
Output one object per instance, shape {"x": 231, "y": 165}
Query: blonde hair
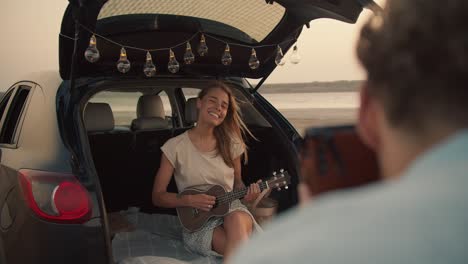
{"x": 232, "y": 130}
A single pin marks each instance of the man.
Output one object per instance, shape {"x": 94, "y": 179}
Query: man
{"x": 414, "y": 114}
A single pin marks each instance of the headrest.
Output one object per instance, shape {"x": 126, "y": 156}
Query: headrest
{"x": 149, "y": 123}
{"x": 191, "y": 110}
{"x": 150, "y": 106}
{"x": 98, "y": 117}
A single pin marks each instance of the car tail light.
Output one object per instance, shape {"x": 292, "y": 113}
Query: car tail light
{"x": 56, "y": 197}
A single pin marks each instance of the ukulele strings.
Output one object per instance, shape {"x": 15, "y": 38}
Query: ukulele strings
{"x": 227, "y": 197}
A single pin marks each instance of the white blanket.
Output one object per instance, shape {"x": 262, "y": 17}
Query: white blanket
{"x": 157, "y": 239}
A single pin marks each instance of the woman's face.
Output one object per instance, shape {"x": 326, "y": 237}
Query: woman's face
{"x": 213, "y": 107}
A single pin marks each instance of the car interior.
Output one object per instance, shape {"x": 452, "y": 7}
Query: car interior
{"x": 127, "y": 158}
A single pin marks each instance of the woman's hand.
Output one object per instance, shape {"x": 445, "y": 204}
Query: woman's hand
{"x": 203, "y": 202}
{"x": 252, "y": 192}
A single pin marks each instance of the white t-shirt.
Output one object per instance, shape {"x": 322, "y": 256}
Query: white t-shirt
{"x": 420, "y": 218}
{"x": 194, "y": 167}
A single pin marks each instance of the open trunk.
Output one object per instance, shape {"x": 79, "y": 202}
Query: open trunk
{"x": 126, "y": 159}
{"x": 156, "y": 26}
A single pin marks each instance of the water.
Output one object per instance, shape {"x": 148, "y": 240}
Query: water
{"x": 128, "y": 101}
{"x": 313, "y": 100}
{"x": 301, "y": 109}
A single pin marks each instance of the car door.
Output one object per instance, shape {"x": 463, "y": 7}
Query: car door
{"x": 5, "y": 183}
{"x": 12, "y": 107}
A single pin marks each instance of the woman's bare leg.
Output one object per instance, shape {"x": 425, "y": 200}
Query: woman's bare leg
{"x": 237, "y": 227}
{"x": 219, "y": 240}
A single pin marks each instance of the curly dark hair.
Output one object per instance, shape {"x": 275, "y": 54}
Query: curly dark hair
{"x": 416, "y": 56}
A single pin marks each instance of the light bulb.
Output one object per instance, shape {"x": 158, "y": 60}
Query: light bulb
{"x": 189, "y": 58}
{"x": 123, "y": 64}
{"x": 92, "y": 53}
{"x": 295, "y": 57}
{"x": 253, "y": 61}
{"x": 173, "y": 65}
{"x": 279, "y": 59}
{"x": 149, "y": 69}
{"x": 202, "y": 47}
{"x": 226, "y": 59}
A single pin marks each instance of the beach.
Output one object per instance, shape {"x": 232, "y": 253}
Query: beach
{"x": 302, "y": 109}
{"x": 315, "y": 109}
{"x": 318, "y": 117}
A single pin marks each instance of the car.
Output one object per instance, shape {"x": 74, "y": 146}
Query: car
{"x": 71, "y": 154}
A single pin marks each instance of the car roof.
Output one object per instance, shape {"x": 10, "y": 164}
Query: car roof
{"x": 49, "y": 80}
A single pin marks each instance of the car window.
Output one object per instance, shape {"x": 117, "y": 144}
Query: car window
{"x": 13, "y": 116}
{"x": 190, "y": 92}
{"x": 253, "y": 17}
{"x": 123, "y": 105}
{"x": 4, "y": 102}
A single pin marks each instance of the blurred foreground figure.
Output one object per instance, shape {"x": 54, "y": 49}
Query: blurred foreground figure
{"x": 414, "y": 115}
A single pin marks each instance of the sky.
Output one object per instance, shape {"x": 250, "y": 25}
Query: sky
{"x": 30, "y": 28}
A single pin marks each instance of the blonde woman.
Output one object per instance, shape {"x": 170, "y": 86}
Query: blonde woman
{"x": 209, "y": 153}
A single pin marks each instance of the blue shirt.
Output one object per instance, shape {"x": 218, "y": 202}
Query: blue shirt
{"x": 420, "y": 218}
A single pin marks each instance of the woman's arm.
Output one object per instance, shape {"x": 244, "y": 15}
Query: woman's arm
{"x": 238, "y": 183}
{"x": 162, "y": 198}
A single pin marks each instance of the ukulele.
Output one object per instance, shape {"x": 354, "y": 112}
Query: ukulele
{"x": 193, "y": 219}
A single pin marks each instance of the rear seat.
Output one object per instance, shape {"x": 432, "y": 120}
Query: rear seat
{"x": 151, "y": 131}
{"x": 150, "y": 114}
{"x": 111, "y": 151}
{"x": 127, "y": 162}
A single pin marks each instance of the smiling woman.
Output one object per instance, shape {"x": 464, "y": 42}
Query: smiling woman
{"x": 210, "y": 153}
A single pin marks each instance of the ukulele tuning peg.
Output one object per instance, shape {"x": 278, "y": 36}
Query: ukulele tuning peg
{"x": 286, "y": 187}
{"x": 274, "y": 173}
{"x": 284, "y": 182}
{"x": 282, "y": 170}
{"x": 279, "y": 189}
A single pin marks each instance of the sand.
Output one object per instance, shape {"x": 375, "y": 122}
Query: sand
{"x": 318, "y": 117}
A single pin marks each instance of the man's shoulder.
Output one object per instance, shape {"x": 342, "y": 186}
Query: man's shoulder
{"x": 307, "y": 228}
{"x": 350, "y": 225}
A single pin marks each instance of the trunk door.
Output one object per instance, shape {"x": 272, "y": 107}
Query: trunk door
{"x": 157, "y": 25}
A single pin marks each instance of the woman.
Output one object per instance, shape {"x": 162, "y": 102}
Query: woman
{"x": 209, "y": 153}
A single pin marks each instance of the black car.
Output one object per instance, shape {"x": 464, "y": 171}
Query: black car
{"x": 70, "y": 153}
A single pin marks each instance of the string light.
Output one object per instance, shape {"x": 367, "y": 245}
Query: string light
{"x": 253, "y": 61}
{"x": 149, "y": 69}
{"x": 173, "y": 65}
{"x": 202, "y": 47}
{"x": 279, "y": 59}
{"x": 226, "y": 59}
{"x": 123, "y": 64}
{"x": 189, "y": 58}
{"x": 295, "y": 57}
{"x": 92, "y": 53}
